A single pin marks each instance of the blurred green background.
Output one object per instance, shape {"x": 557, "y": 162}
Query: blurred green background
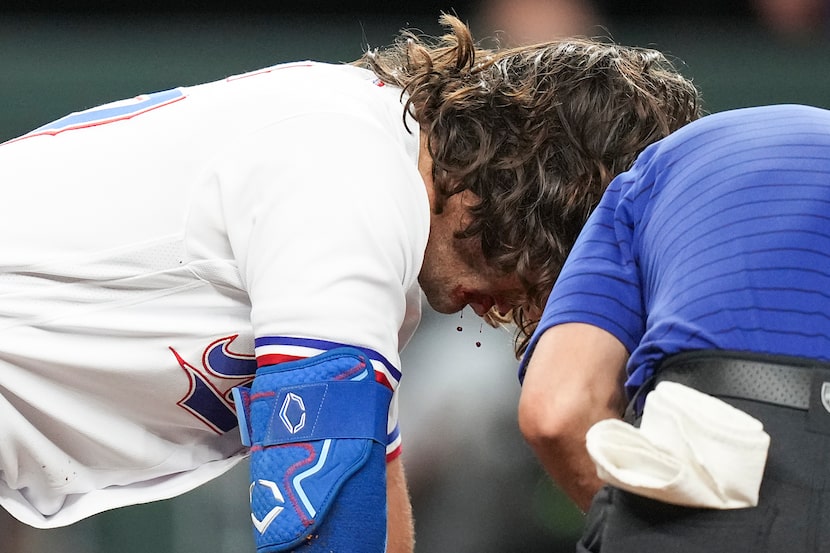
{"x": 475, "y": 486}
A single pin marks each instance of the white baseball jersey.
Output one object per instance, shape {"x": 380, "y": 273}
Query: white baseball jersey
{"x": 155, "y": 250}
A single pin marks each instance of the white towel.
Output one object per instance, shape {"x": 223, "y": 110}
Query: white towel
{"x": 691, "y": 449}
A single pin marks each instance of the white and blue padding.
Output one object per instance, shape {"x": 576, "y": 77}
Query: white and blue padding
{"x": 317, "y": 434}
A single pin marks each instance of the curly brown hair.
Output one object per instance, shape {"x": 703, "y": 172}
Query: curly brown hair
{"x": 536, "y": 132}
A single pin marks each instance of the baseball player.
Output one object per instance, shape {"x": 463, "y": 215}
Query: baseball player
{"x": 199, "y": 274}
{"x": 705, "y": 266}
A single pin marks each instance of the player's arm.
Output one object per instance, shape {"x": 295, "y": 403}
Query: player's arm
{"x": 400, "y": 525}
{"x": 316, "y": 428}
{"x": 328, "y": 249}
{"x": 574, "y": 379}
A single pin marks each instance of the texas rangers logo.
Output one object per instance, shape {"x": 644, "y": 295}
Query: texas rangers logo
{"x": 209, "y": 396}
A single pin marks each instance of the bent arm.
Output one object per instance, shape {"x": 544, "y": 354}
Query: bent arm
{"x": 574, "y": 379}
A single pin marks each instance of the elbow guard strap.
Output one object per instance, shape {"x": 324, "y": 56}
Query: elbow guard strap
{"x": 316, "y": 429}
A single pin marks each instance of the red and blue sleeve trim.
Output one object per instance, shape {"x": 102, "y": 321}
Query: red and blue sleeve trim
{"x": 278, "y": 349}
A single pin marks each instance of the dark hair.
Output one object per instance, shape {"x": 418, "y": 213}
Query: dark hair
{"x": 536, "y": 132}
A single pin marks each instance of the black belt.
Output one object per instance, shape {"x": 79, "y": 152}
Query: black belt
{"x": 783, "y": 381}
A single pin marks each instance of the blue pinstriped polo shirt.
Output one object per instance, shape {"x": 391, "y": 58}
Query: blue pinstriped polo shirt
{"x": 717, "y": 238}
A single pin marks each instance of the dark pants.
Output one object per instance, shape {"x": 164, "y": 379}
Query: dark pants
{"x": 793, "y": 514}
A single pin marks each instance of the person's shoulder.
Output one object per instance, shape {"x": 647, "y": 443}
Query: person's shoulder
{"x": 336, "y": 88}
{"x": 762, "y": 115}
{"x": 729, "y": 128}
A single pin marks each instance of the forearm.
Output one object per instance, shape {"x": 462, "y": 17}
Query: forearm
{"x": 318, "y": 453}
{"x": 399, "y": 510}
{"x": 565, "y": 458}
{"x": 573, "y": 380}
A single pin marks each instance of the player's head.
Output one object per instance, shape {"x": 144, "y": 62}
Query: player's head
{"x": 532, "y": 136}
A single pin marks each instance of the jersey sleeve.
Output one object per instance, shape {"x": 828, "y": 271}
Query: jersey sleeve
{"x": 327, "y": 217}
{"x": 599, "y": 284}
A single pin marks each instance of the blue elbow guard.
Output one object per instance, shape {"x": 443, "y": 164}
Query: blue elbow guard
{"x": 316, "y": 429}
